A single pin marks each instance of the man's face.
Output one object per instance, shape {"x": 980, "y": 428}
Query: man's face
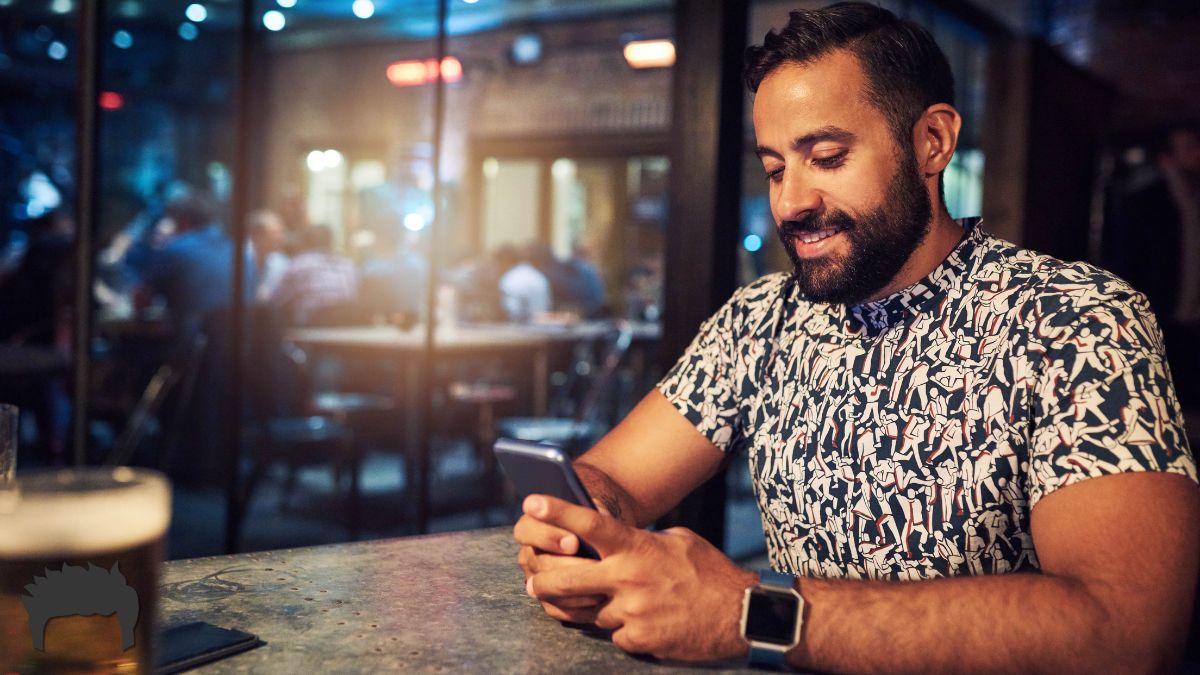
{"x": 850, "y": 206}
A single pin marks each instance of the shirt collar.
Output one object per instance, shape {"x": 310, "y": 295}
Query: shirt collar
{"x": 872, "y": 318}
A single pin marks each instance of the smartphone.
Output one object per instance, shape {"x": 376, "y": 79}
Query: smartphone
{"x": 194, "y": 644}
{"x": 540, "y": 468}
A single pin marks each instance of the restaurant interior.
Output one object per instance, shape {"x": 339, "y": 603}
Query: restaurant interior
{"x": 465, "y": 219}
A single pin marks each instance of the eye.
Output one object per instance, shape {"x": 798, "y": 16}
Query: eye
{"x": 775, "y": 175}
{"x": 831, "y": 162}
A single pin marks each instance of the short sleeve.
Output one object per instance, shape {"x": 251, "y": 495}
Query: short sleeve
{"x": 703, "y": 383}
{"x": 1104, "y": 401}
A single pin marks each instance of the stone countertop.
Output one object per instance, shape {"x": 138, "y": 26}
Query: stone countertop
{"x": 447, "y": 603}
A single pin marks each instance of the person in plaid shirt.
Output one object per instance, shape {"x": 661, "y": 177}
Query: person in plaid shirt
{"x": 316, "y": 278}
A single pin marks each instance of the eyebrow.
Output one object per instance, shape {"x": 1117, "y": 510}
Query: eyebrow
{"x": 826, "y": 133}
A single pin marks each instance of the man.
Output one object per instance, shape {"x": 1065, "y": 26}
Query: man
{"x": 1156, "y": 246}
{"x": 394, "y": 275}
{"x": 268, "y": 238}
{"x": 524, "y": 291}
{"x": 188, "y": 261}
{"x": 854, "y": 127}
{"x": 317, "y": 279}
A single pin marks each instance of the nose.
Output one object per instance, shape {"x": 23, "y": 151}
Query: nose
{"x": 796, "y": 198}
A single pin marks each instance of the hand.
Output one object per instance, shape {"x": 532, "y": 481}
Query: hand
{"x": 546, "y": 547}
{"x": 670, "y": 594}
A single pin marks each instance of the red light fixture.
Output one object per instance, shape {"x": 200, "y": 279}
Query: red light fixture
{"x": 111, "y": 100}
{"x": 416, "y": 73}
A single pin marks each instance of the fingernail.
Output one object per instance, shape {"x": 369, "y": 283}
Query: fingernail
{"x": 535, "y": 506}
{"x": 567, "y": 544}
{"x": 529, "y": 586}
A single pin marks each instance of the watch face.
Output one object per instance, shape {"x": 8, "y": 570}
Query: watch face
{"x": 771, "y": 617}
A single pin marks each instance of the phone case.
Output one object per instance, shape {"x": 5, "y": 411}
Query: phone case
{"x": 194, "y": 644}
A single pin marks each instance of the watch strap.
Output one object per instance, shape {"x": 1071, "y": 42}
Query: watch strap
{"x": 773, "y": 578}
{"x": 767, "y": 658}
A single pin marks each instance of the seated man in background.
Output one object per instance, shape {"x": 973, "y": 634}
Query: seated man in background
{"x": 393, "y": 278}
{"x": 317, "y": 278}
{"x": 268, "y": 241}
{"x": 524, "y": 291}
{"x": 187, "y": 260}
{"x": 918, "y": 401}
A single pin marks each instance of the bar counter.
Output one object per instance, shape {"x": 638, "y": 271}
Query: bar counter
{"x": 440, "y": 603}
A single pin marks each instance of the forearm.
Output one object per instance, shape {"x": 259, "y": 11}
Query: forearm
{"x": 609, "y": 494}
{"x": 1010, "y": 623}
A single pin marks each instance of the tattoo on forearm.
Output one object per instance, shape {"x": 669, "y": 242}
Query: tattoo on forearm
{"x": 612, "y": 505}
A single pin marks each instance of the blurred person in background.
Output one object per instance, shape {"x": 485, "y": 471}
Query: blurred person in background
{"x": 476, "y": 280}
{"x": 268, "y": 243}
{"x": 394, "y": 276}
{"x": 317, "y": 278}
{"x": 36, "y": 310}
{"x": 35, "y": 297}
{"x": 574, "y": 283}
{"x": 187, "y": 261}
{"x": 1159, "y": 229}
{"x": 524, "y": 291}
{"x": 586, "y": 283}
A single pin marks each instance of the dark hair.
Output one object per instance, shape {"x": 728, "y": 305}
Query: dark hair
{"x": 191, "y": 209}
{"x": 905, "y": 69}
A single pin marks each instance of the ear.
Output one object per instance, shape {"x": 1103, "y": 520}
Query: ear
{"x": 935, "y": 137}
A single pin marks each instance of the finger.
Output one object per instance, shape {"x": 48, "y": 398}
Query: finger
{"x": 606, "y": 534}
{"x": 532, "y": 532}
{"x": 593, "y": 602}
{"x": 608, "y": 619}
{"x": 549, "y": 561}
{"x": 587, "y": 578}
{"x": 571, "y": 615}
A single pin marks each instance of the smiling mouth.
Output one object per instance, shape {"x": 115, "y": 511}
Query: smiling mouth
{"x": 814, "y": 237}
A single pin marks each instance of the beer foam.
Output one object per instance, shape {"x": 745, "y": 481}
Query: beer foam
{"x": 44, "y": 521}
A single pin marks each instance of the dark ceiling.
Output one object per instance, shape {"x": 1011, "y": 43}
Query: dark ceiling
{"x": 1149, "y": 51}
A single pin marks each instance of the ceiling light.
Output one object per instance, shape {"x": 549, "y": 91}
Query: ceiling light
{"x": 332, "y": 158}
{"x": 363, "y": 9}
{"x": 414, "y": 222}
{"x": 122, "y": 39}
{"x": 274, "y": 20}
{"x": 650, "y": 53}
{"x": 196, "y": 12}
{"x": 62, "y": 6}
{"x": 57, "y": 51}
{"x": 526, "y": 49}
{"x": 414, "y": 73}
{"x": 315, "y": 161}
{"x": 111, "y": 100}
{"x": 188, "y": 31}
{"x": 286, "y": 4}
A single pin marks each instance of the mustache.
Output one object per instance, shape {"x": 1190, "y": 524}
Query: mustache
{"x": 816, "y": 223}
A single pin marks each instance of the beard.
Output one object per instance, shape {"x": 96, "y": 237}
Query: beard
{"x": 880, "y": 241}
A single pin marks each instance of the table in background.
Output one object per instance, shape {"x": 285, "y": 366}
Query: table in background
{"x": 487, "y": 339}
{"x": 446, "y": 603}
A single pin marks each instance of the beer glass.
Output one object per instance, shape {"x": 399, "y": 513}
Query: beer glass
{"x": 80, "y": 552}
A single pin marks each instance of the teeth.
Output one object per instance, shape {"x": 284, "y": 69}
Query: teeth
{"x": 813, "y": 237}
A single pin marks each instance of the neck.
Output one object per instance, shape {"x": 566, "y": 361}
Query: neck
{"x": 943, "y": 236}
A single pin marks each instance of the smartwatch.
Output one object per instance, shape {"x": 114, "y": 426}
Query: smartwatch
{"x": 772, "y": 614}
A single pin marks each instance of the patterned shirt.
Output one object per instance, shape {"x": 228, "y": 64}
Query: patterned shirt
{"x": 315, "y": 280}
{"x": 910, "y": 437}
